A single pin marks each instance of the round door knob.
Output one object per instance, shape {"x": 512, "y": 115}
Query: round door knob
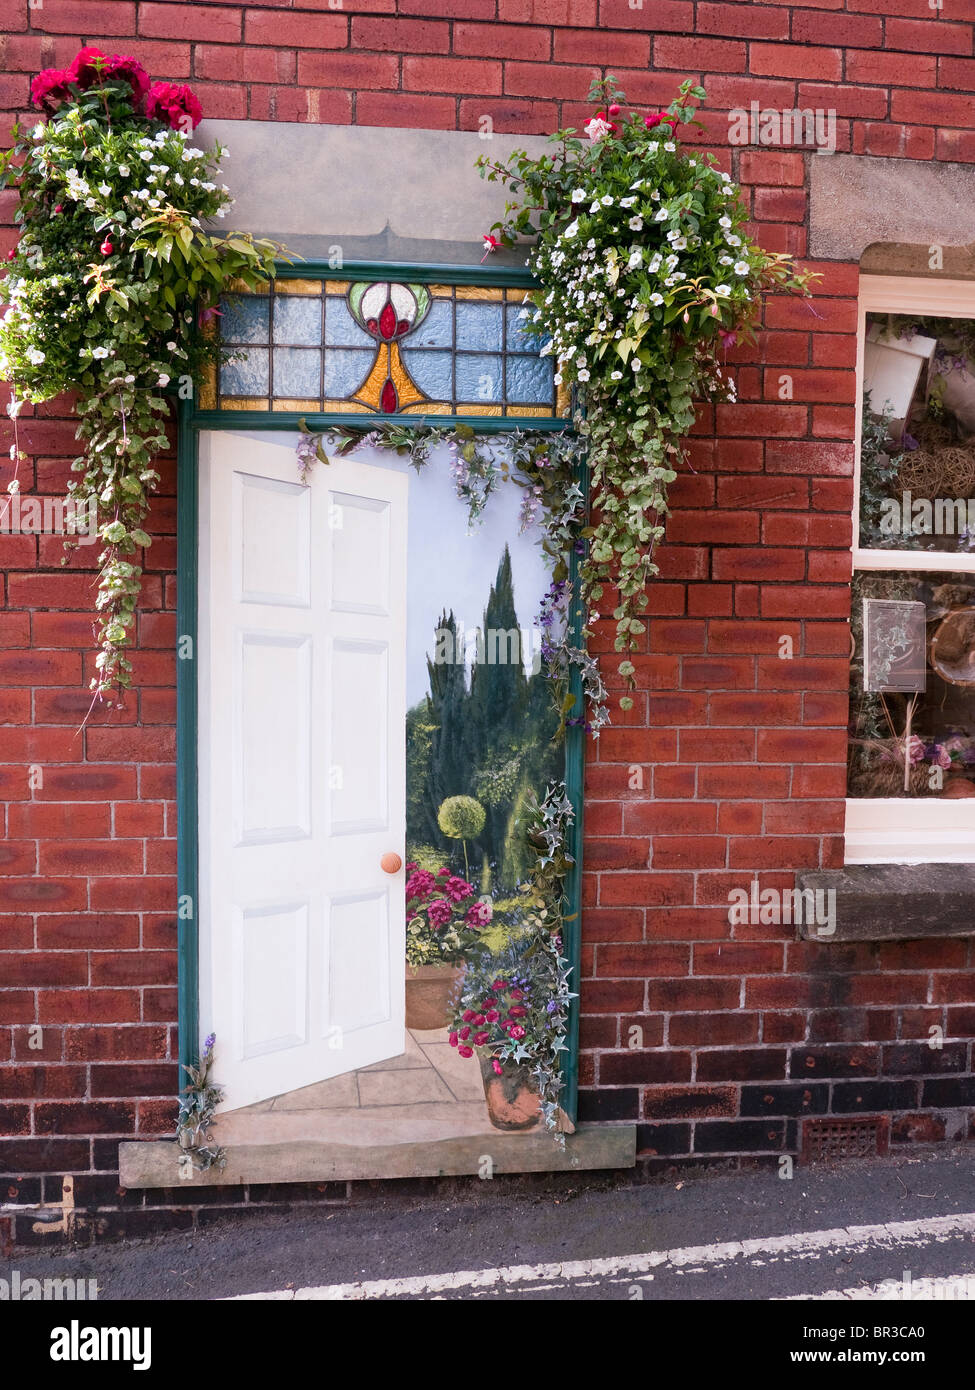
{"x": 391, "y": 863}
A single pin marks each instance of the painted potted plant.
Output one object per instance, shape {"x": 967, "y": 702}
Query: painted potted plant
{"x": 443, "y": 920}
{"x": 513, "y": 1011}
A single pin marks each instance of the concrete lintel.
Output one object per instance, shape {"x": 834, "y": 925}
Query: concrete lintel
{"x": 375, "y": 193}
{"x": 155, "y": 1163}
{"x": 855, "y": 200}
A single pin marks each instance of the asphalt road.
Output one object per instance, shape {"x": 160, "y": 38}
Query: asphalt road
{"x": 751, "y": 1236}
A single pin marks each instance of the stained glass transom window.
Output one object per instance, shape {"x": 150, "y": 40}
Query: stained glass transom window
{"x": 383, "y": 348}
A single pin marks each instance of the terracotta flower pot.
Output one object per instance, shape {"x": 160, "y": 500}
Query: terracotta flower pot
{"x": 957, "y": 786}
{"x": 428, "y": 992}
{"x": 513, "y": 1102}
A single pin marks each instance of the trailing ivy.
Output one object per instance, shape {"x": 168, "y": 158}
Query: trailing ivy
{"x": 112, "y": 289}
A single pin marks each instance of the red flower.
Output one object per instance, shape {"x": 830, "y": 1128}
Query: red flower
{"x": 59, "y": 208}
{"x": 480, "y": 1039}
{"x": 131, "y": 71}
{"x": 660, "y": 118}
{"x": 88, "y": 67}
{"x": 468, "y": 1015}
{"x": 464, "y": 1034}
{"x": 614, "y": 110}
{"x": 174, "y": 105}
{"x": 491, "y": 1016}
{"x": 49, "y": 88}
{"x": 452, "y": 1039}
{"x": 465, "y": 1052}
{"x": 491, "y": 243}
{"x": 518, "y": 1011}
{"x": 516, "y": 1032}
{"x": 498, "y": 1068}
{"x": 106, "y": 247}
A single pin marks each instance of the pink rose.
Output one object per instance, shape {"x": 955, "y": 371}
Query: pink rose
{"x": 480, "y": 1039}
{"x": 465, "y": 1052}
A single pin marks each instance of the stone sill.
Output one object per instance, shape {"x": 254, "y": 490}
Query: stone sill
{"x": 894, "y": 902}
{"x": 155, "y": 1163}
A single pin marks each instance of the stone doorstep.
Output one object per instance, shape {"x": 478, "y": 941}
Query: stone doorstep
{"x": 155, "y": 1163}
{"x": 894, "y": 902}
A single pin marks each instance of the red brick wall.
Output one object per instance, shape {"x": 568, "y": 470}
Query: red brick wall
{"x": 744, "y": 1030}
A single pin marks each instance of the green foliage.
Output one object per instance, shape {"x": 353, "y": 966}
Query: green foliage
{"x": 647, "y": 274}
{"x": 879, "y": 470}
{"x": 197, "y": 1107}
{"x": 461, "y": 818}
{"x": 111, "y": 289}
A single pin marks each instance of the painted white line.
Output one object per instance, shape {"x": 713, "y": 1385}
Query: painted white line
{"x": 693, "y": 1259}
{"x": 951, "y": 1288}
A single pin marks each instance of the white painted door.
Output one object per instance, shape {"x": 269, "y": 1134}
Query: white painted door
{"x": 302, "y": 652}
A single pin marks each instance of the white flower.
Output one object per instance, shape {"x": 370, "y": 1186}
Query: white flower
{"x": 572, "y": 230}
{"x": 583, "y": 375}
{"x": 638, "y": 184}
{"x": 661, "y": 215}
{"x": 14, "y": 408}
{"x": 130, "y": 378}
{"x": 578, "y": 194}
{"x": 159, "y": 168}
{"x": 627, "y": 202}
{"x": 655, "y": 264}
{"x": 146, "y": 155}
{"x": 594, "y": 207}
{"x": 606, "y": 201}
{"x": 597, "y": 129}
{"x": 178, "y": 180}
{"x": 194, "y": 153}
{"x": 35, "y": 356}
{"x": 104, "y": 189}
{"x": 725, "y": 178}
{"x": 680, "y": 243}
{"x": 635, "y": 224}
{"x": 557, "y": 378}
{"x": 669, "y": 146}
{"x": 590, "y": 244}
{"x": 162, "y": 379}
{"x": 13, "y": 485}
{"x": 722, "y": 289}
{"x": 656, "y": 298}
{"x": 733, "y": 240}
{"x": 636, "y": 258}
{"x": 636, "y": 364}
{"x": 124, "y": 170}
{"x": 99, "y": 352}
{"x": 724, "y": 260}
{"x": 171, "y": 347}
{"x": 38, "y": 132}
{"x": 616, "y": 376}
{"x": 741, "y": 267}
{"x": 724, "y": 221}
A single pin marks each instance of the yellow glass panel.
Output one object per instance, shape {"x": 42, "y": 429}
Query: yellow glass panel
{"x": 563, "y": 401}
{"x": 516, "y": 296}
{"x": 208, "y": 388}
{"x": 289, "y": 286}
{"x": 463, "y": 409}
{"x": 286, "y": 403}
{"x": 427, "y": 408}
{"x": 243, "y": 403}
{"x": 441, "y": 291}
{"x": 492, "y": 292}
{"x": 345, "y": 408}
{"x": 336, "y": 286}
{"x": 535, "y": 411}
{"x": 239, "y": 287}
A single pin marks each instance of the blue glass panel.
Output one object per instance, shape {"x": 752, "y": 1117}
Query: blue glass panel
{"x": 517, "y": 339}
{"x": 247, "y": 378}
{"x": 437, "y": 328}
{"x": 478, "y": 377}
{"x": 297, "y": 320}
{"x": 345, "y": 371}
{"x": 245, "y": 319}
{"x": 431, "y": 371}
{"x": 297, "y": 372}
{"x": 479, "y": 326}
{"x": 341, "y": 329}
{"x": 530, "y": 379}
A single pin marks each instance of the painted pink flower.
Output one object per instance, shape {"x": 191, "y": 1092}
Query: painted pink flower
{"x": 175, "y": 105}
{"x": 518, "y": 1032}
{"x": 452, "y": 1039}
{"x": 457, "y": 888}
{"x": 478, "y": 915}
{"x": 491, "y": 1016}
{"x": 420, "y": 884}
{"x": 465, "y": 1052}
{"x": 480, "y": 1039}
{"x": 439, "y": 913}
{"x": 498, "y": 1068}
{"x": 463, "y": 1034}
{"x": 468, "y": 1015}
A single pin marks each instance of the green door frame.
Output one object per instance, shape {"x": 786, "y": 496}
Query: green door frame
{"x": 191, "y": 422}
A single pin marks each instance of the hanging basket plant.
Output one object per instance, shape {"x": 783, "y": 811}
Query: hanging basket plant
{"x": 112, "y": 290}
{"x": 647, "y": 278}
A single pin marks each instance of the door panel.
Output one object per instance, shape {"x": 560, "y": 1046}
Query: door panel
{"x": 302, "y": 765}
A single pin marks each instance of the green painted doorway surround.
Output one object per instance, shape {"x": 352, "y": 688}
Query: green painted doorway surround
{"x": 191, "y": 422}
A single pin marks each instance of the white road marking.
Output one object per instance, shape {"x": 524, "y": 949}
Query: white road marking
{"x": 691, "y": 1259}
{"x": 950, "y": 1288}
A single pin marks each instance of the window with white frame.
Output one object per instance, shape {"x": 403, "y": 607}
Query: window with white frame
{"x": 911, "y": 761}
